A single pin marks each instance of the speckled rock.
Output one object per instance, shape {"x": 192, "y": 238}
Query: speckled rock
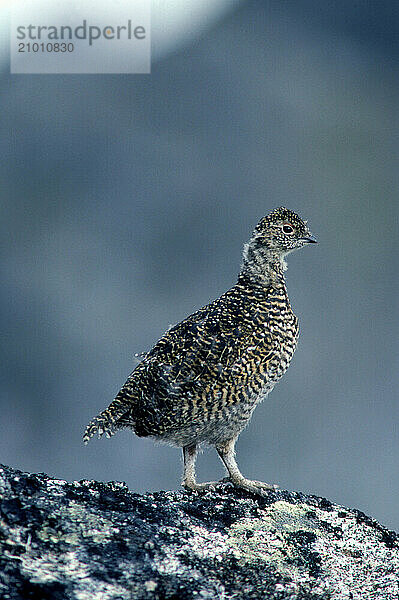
{"x": 93, "y": 541}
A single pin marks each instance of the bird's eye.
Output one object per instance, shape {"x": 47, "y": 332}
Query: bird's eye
{"x": 287, "y": 228}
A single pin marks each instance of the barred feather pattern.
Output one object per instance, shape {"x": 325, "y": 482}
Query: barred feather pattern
{"x": 204, "y": 377}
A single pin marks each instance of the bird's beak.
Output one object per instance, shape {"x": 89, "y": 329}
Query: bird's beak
{"x": 309, "y": 240}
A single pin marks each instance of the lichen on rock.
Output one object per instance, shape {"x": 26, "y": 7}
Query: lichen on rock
{"x": 93, "y": 541}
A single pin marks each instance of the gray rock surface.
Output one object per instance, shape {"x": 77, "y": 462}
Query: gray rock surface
{"x": 93, "y": 541}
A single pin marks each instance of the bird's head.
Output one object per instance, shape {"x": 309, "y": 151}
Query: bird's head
{"x": 275, "y": 236}
{"x": 282, "y": 231}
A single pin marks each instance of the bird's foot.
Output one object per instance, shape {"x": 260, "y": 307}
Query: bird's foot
{"x": 256, "y": 487}
{"x": 197, "y": 487}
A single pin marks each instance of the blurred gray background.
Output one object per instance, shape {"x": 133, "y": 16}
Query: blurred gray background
{"x": 126, "y": 202}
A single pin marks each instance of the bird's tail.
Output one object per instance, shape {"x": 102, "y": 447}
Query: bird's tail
{"x": 108, "y": 421}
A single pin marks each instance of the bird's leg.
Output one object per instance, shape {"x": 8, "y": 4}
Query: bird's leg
{"x": 189, "y": 456}
{"x": 226, "y": 452}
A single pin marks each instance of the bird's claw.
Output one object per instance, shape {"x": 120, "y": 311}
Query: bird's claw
{"x": 256, "y": 487}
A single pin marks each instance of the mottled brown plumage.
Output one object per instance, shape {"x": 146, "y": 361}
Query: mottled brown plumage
{"x": 205, "y": 376}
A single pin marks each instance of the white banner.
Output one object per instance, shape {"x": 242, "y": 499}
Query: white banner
{"x": 75, "y": 37}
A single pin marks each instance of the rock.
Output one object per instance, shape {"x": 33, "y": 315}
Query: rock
{"x": 94, "y": 541}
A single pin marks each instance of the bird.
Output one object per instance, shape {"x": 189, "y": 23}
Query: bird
{"x": 203, "y": 379}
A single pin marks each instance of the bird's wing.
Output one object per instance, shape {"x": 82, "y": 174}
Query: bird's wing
{"x": 208, "y": 344}
{"x": 199, "y": 356}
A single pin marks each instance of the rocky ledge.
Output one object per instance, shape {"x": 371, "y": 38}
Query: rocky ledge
{"x": 87, "y": 540}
